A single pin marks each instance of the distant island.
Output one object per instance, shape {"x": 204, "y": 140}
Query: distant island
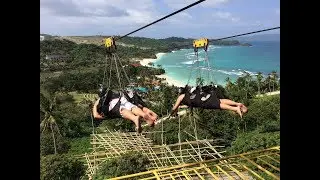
{"x": 166, "y": 45}
{"x": 259, "y": 37}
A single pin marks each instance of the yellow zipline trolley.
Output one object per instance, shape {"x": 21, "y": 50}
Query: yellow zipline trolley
{"x": 109, "y": 43}
{"x": 198, "y": 43}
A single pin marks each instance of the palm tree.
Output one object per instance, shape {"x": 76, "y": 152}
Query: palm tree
{"x": 259, "y": 79}
{"x": 274, "y": 77}
{"x": 46, "y": 106}
{"x": 229, "y": 83}
{"x": 247, "y": 80}
{"x": 268, "y": 81}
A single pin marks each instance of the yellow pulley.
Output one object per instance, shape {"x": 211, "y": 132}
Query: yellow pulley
{"x": 109, "y": 43}
{"x": 198, "y": 43}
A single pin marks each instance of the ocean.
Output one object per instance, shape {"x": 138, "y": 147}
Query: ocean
{"x": 224, "y": 61}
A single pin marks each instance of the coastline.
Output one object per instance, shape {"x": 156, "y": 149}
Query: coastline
{"x": 167, "y": 79}
{"x": 170, "y": 80}
{"x": 145, "y": 62}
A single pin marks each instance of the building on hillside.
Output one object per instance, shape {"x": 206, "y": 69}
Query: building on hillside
{"x": 41, "y": 38}
{"x": 136, "y": 65}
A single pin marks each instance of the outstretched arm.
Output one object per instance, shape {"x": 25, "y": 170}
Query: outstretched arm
{"x": 95, "y": 113}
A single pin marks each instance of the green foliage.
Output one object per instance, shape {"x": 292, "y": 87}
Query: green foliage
{"x": 253, "y": 141}
{"x": 128, "y": 163}
{"x": 118, "y": 124}
{"x": 83, "y": 71}
{"x": 247, "y": 86}
{"x": 47, "y": 147}
{"x": 60, "y": 167}
{"x": 79, "y": 145}
{"x": 263, "y": 111}
{"x": 74, "y": 122}
{"x": 86, "y": 81}
{"x": 171, "y": 43}
{"x": 169, "y": 97}
{"x": 220, "y": 124}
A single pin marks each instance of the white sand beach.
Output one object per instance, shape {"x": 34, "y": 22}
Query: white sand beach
{"x": 269, "y": 93}
{"x": 145, "y": 62}
{"x": 170, "y": 80}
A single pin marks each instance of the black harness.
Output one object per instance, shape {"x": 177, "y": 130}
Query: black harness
{"x": 201, "y": 97}
{"x": 103, "y": 107}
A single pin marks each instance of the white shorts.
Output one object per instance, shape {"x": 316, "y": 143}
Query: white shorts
{"x": 124, "y": 104}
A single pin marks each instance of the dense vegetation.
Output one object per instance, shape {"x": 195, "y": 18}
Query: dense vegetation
{"x": 173, "y": 43}
{"x": 128, "y": 163}
{"x": 66, "y": 124}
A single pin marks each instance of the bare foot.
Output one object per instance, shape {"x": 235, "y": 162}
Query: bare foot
{"x": 243, "y": 108}
{"x": 239, "y": 111}
{"x": 150, "y": 123}
{"x": 146, "y": 117}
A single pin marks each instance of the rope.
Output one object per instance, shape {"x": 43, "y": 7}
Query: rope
{"x": 199, "y": 70}
{"x": 210, "y": 71}
{"x": 191, "y": 72}
{"x": 123, "y": 69}
{"x": 93, "y": 132}
{"x": 228, "y": 37}
{"x": 109, "y": 75}
{"x": 118, "y": 74}
{"x": 253, "y": 32}
{"x": 165, "y": 17}
{"x": 105, "y": 69}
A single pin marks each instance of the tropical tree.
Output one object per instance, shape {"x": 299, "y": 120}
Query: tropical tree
{"x": 274, "y": 78}
{"x": 247, "y": 81}
{"x": 259, "y": 80}
{"x": 47, "y": 104}
{"x": 268, "y": 82}
{"x": 229, "y": 83}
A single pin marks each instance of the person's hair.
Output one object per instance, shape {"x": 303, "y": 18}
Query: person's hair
{"x": 182, "y": 90}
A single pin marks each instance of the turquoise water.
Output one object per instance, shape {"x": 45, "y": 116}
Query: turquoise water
{"x": 224, "y": 61}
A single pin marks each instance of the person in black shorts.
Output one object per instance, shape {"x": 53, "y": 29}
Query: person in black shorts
{"x": 206, "y": 98}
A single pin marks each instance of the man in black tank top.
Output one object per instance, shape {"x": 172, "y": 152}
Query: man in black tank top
{"x": 206, "y": 98}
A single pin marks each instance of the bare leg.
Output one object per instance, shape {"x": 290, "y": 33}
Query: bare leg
{"x": 137, "y": 111}
{"x": 178, "y": 102}
{"x": 229, "y": 102}
{"x": 232, "y": 108}
{"x": 153, "y": 116}
{"x": 130, "y": 116}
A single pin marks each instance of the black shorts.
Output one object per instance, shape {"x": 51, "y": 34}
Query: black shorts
{"x": 211, "y": 103}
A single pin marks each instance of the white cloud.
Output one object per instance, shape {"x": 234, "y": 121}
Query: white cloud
{"x": 185, "y": 15}
{"x": 213, "y": 3}
{"x": 73, "y": 14}
{"x": 224, "y": 16}
{"x": 178, "y": 4}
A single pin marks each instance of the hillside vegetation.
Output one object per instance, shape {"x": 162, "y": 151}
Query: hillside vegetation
{"x": 69, "y": 86}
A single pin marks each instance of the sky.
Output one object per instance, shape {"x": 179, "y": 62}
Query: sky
{"x": 210, "y": 19}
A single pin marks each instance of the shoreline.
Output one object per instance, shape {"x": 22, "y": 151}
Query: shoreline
{"x": 145, "y": 62}
{"x": 170, "y": 80}
{"x": 167, "y": 79}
